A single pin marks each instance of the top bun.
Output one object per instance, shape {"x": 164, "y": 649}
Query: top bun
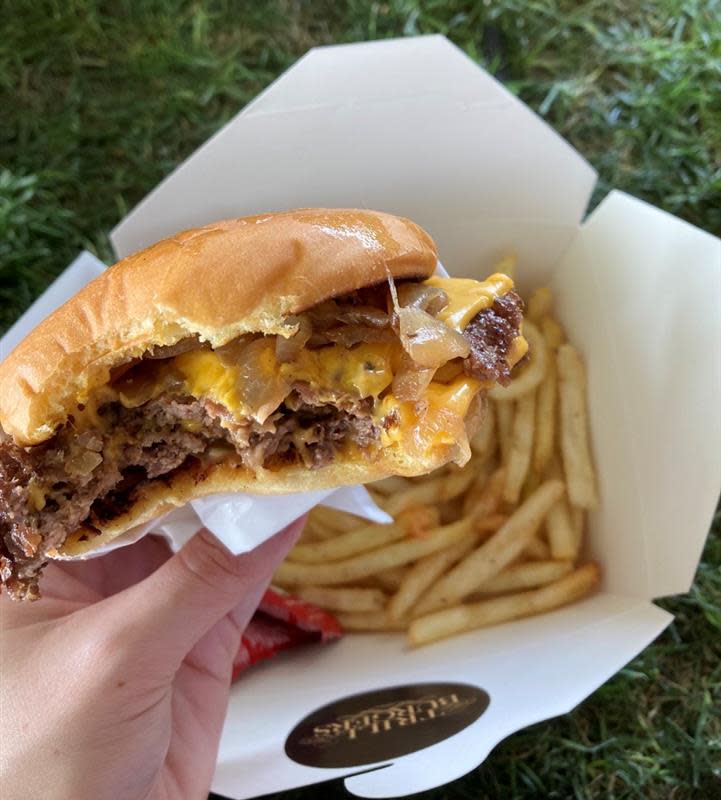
{"x": 216, "y": 282}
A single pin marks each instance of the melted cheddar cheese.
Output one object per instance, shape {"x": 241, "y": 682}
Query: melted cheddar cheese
{"x": 467, "y": 297}
{"x": 426, "y": 422}
{"x": 364, "y": 371}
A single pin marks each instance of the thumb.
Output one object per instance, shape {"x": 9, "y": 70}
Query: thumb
{"x": 166, "y": 614}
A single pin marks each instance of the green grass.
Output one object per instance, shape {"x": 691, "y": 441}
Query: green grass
{"x": 98, "y": 101}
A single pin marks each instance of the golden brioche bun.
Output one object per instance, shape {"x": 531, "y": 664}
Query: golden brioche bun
{"x": 216, "y": 282}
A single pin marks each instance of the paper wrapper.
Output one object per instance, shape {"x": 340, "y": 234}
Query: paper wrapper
{"x": 241, "y": 521}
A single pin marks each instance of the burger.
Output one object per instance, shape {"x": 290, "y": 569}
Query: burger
{"x": 270, "y": 354}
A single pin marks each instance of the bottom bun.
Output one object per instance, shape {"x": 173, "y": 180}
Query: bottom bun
{"x": 160, "y": 497}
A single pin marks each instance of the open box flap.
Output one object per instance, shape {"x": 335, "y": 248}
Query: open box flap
{"x": 641, "y": 291}
{"x": 573, "y": 651}
{"x": 441, "y": 142}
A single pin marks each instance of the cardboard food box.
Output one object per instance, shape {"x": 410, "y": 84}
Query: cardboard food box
{"x": 414, "y": 127}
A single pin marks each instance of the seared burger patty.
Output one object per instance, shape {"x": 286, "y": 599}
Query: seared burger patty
{"x": 49, "y": 490}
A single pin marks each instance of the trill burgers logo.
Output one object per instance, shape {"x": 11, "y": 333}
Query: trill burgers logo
{"x": 379, "y": 725}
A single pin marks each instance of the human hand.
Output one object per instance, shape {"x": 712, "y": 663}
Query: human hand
{"x": 115, "y": 683}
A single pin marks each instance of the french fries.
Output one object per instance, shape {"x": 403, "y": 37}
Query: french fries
{"x": 370, "y": 621}
{"x": 487, "y": 501}
{"x": 483, "y": 442}
{"x": 539, "y": 304}
{"x": 504, "y": 417}
{"x": 537, "y": 549}
{"x": 370, "y": 563}
{"x": 546, "y": 409}
{"x": 390, "y": 485}
{"x": 494, "y": 554}
{"x": 435, "y": 490}
{"x": 519, "y": 456}
{"x": 552, "y": 333}
{"x": 463, "y": 618}
{"x": 575, "y": 449}
{"x": 344, "y": 599}
{"x": 525, "y": 576}
{"x": 390, "y": 579}
{"x": 336, "y": 520}
{"x": 424, "y": 573}
{"x": 494, "y": 541}
{"x": 347, "y": 544}
{"x": 562, "y": 537}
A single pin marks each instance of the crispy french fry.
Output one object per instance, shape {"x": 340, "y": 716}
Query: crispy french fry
{"x": 537, "y": 549}
{"x": 484, "y": 440}
{"x": 343, "y": 599}
{"x": 451, "y": 511}
{"x": 519, "y": 456}
{"x": 391, "y": 485}
{"x": 525, "y": 576}
{"x": 532, "y": 482}
{"x": 372, "y": 562}
{"x": 486, "y": 503}
{"x": 504, "y": 424}
{"x": 436, "y": 490}
{"x": 390, "y": 579}
{"x": 424, "y": 572}
{"x": 578, "y": 519}
{"x": 474, "y": 491}
{"x": 528, "y": 378}
{"x": 345, "y": 545}
{"x": 546, "y": 406}
{"x": 575, "y": 449}
{"x": 507, "y": 265}
{"x": 540, "y": 304}
{"x": 562, "y": 537}
{"x": 490, "y": 524}
{"x": 321, "y": 531}
{"x": 418, "y": 520}
{"x": 552, "y": 333}
{"x": 370, "y": 621}
{"x": 459, "y": 619}
{"x": 340, "y": 521}
{"x": 493, "y": 555}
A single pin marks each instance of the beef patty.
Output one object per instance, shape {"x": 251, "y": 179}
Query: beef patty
{"x": 49, "y": 490}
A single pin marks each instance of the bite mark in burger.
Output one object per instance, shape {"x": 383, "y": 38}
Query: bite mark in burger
{"x": 289, "y": 352}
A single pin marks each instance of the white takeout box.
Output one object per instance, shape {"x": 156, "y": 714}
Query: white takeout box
{"x": 415, "y": 127}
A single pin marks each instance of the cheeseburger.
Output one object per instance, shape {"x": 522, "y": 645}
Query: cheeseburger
{"x": 270, "y": 354}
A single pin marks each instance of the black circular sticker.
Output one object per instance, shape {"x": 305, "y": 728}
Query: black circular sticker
{"x": 385, "y": 723}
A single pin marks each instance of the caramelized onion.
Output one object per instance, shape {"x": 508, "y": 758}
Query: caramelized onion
{"x": 419, "y": 295}
{"x": 324, "y": 315}
{"x": 348, "y": 335}
{"x": 170, "y": 350}
{"x": 83, "y": 462}
{"x": 287, "y": 349}
{"x": 427, "y": 340}
{"x": 362, "y": 315}
{"x": 410, "y": 382}
{"x": 260, "y": 385}
{"x": 318, "y": 340}
{"x": 144, "y": 382}
{"x": 230, "y": 353}
{"x": 329, "y": 314}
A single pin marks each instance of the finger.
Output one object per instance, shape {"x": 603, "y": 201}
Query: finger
{"x": 165, "y": 615}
